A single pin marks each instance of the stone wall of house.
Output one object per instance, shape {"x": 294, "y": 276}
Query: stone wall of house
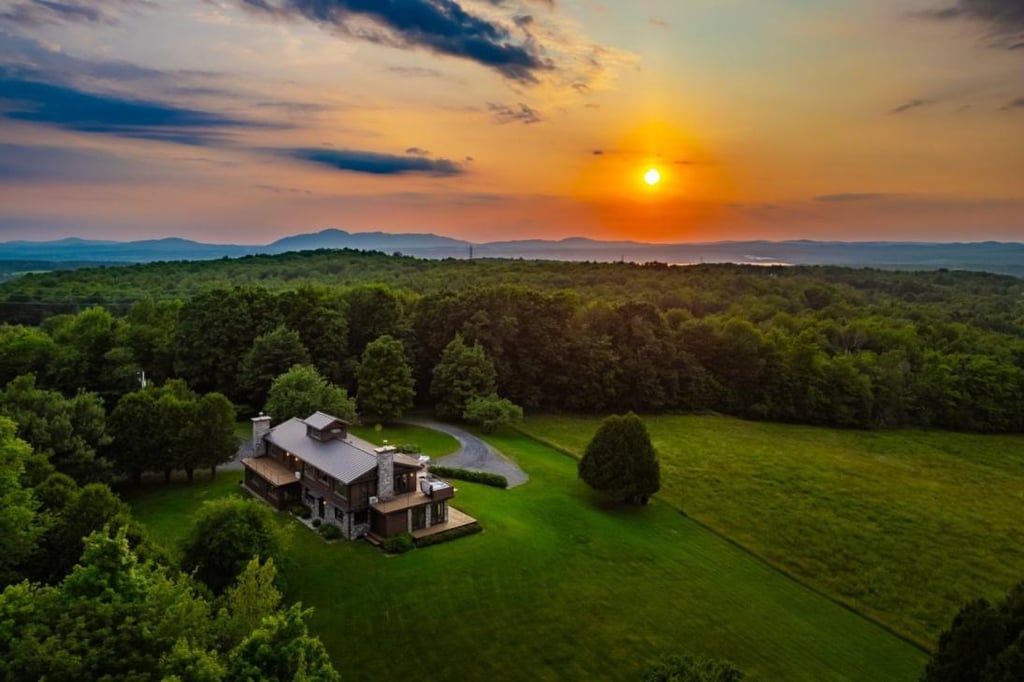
{"x": 386, "y": 475}
{"x": 260, "y": 428}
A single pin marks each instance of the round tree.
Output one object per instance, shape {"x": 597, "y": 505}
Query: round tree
{"x": 386, "y": 386}
{"x": 225, "y": 536}
{"x": 271, "y": 355}
{"x": 301, "y": 391}
{"x": 620, "y": 460}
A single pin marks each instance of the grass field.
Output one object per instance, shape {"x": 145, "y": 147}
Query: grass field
{"x": 559, "y": 587}
{"x": 903, "y": 525}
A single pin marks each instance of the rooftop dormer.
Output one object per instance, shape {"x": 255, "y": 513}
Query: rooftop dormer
{"x": 323, "y": 427}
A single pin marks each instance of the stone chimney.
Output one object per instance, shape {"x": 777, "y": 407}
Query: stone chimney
{"x": 385, "y": 472}
{"x": 260, "y": 428}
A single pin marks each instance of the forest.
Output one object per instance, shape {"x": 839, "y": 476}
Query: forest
{"x": 856, "y": 348}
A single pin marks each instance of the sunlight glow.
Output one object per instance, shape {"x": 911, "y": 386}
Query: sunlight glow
{"x": 652, "y": 176}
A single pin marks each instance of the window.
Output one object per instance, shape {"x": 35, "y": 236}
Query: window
{"x": 339, "y": 513}
{"x": 438, "y": 512}
{"x": 361, "y": 517}
{"x": 419, "y": 517}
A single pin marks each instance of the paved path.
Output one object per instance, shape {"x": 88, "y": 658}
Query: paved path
{"x": 473, "y": 453}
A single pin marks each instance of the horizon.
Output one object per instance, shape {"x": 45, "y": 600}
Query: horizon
{"x": 244, "y": 122}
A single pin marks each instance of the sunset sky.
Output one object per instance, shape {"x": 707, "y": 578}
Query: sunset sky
{"x": 246, "y": 120}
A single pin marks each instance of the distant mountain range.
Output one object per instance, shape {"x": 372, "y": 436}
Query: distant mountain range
{"x": 998, "y": 257}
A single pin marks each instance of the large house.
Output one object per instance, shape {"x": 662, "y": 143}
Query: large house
{"x": 362, "y": 489}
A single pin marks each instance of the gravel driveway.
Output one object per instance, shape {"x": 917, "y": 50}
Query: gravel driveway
{"x": 473, "y": 453}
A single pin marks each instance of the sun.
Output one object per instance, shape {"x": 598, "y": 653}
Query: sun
{"x": 652, "y": 177}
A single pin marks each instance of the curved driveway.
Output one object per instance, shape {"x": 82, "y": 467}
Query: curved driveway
{"x": 473, "y": 453}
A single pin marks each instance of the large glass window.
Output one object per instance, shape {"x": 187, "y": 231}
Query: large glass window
{"x": 438, "y": 512}
{"x": 419, "y": 517}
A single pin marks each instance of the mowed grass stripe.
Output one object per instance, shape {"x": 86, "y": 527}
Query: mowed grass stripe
{"x": 903, "y": 525}
{"x": 562, "y": 586}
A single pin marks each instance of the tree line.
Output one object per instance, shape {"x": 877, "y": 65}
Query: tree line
{"x": 837, "y": 347}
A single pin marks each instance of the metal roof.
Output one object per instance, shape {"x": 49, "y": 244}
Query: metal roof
{"x": 345, "y": 460}
{"x": 321, "y": 420}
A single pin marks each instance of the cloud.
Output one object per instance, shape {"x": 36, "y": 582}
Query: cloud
{"x": 374, "y": 163}
{"x": 1015, "y": 104}
{"x": 40, "y": 12}
{"x": 417, "y": 151}
{"x": 77, "y": 110}
{"x": 511, "y": 114}
{"x": 443, "y": 27}
{"x": 657, "y": 23}
{"x": 1004, "y": 19}
{"x": 912, "y": 104}
{"x": 47, "y": 164}
{"x": 415, "y": 71}
{"x": 853, "y": 196}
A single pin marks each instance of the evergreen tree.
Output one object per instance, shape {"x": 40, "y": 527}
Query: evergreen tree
{"x": 271, "y": 355}
{"x": 386, "y": 386}
{"x": 620, "y": 460}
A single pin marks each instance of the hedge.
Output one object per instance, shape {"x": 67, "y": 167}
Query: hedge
{"x": 495, "y": 480}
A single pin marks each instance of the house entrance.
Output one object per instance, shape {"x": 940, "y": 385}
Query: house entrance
{"x": 322, "y": 507}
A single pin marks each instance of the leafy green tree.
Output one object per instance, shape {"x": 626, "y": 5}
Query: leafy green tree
{"x": 373, "y": 311}
{"x": 70, "y": 431}
{"x": 281, "y": 648}
{"x": 23, "y": 350}
{"x": 301, "y": 391}
{"x": 620, "y": 460}
{"x": 252, "y": 597}
{"x": 491, "y": 412}
{"x": 691, "y": 669}
{"x": 149, "y": 330}
{"x": 136, "y": 428}
{"x": 225, "y": 535}
{"x": 272, "y": 354}
{"x": 384, "y": 376}
{"x": 318, "y": 315}
{"x": 214, "y": 439}
{"x": 20, "y": 525}
{"x": 463, "y": 373}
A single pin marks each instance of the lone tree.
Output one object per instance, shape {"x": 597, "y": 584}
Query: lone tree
{"x": 386, "y": 386}
{"x": 620, "y": 460}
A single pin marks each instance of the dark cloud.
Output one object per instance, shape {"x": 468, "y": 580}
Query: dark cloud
{"x": 522, "y": 113}
{"x": 657, "y": 23}
{"x": 853, "y": 196}
{"x": 374, "y": 163}
{"x": 39, "y": 12}
{"x": 275, "y": 189}
{"x": 1015, "y": 104}
{"x": 69, "y": 108}
{"x": 441, "y": 26}
{"x": 1004, "y": 19}
{"x": 597, "y": 152}
{"x": 417, "y": 151}
{"x": 912, "y": 104}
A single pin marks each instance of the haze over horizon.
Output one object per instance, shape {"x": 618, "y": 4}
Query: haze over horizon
{"x": 244, "y": 121}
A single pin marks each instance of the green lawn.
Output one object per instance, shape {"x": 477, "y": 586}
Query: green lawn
{"x": 905, "y": 525}
{"x": 559, "y": 587}
{"x": 430, "y": 442}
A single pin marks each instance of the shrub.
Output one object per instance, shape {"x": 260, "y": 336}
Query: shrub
{"x": 408, "y": 448}
{"x": 400, "y": 544}
{"x": 329, "y": 531}
{"x": 300, "y": 510}
{"x": 482, "y": 477}
{"x": 317, "y": 522}
{"x": 691, "y": 669}
{"x": 448, "y": 535}
{"x": 491, "y": 412}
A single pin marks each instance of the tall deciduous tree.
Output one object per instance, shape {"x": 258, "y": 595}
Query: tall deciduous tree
{"x": 620, "y": 460}
{"x": 272, "y": 354}
{"x": 386, "y": 386}
{"x": 301, "y": 391}
{"x": 20, "y": 526}
{"x": 462, "y": 374}
{"x": 69, "y": 431}
{"x": 281, "y": 648}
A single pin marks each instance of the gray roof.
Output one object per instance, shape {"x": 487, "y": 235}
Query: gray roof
{"x": 346, "y": 460}
{"x": 321, "y": 420}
